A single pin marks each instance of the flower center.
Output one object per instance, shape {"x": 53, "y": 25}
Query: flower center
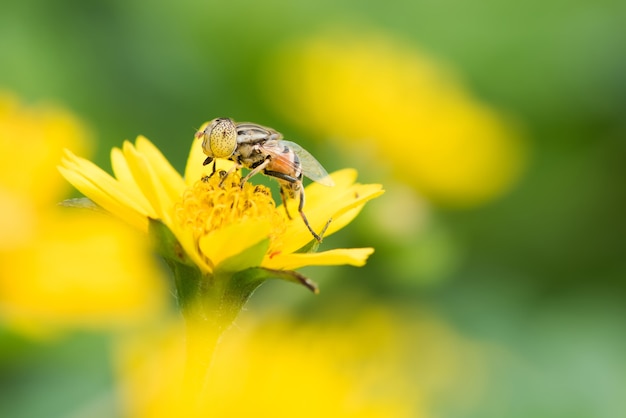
{"x": 208, "y": 205}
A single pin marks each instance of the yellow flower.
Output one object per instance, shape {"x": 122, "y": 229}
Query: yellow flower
{"x": 80, "y": 269}
{"x": 376, "y": 362}
{"x": 32, "y": 141}
{"x": 214, "y": 224}
{"x": 376, "y": 94}
{"x": 59, "y": 268}
{"x": 277, "y": 368}
{"x": 220, "y": 239}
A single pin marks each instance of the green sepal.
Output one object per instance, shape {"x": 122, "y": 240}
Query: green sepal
{"x": 250, "y": 257}
{"x": 310, "y": 247}
{"x": 260, "y": 274}
{"x": 188, "y": 278}
{"x": 217, "y": 298}
{"x": 166, "y": 244}
{"x": 313, "y": 245}
{"x": 81, "y": 203}
{"x": 294, "y": 277}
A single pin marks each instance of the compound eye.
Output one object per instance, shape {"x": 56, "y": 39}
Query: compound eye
{"x": 221, "y": 136}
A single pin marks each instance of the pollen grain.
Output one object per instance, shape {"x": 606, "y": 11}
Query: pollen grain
{"x": 208, "y": 206}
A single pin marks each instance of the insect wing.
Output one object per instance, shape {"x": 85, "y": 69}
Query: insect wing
{"x": 310, "y": 166}
{"x": 250, "y": 133}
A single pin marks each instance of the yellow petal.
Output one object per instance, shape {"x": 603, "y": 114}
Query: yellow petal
{"x": 148, "y": 181}
{"x": 103, "y": 189}
{"x": 339, "y": 256}
{"x": 352, "y": 205}
{"x": 99, "y": 178}
{"x": 317, "y": 193}
{"x": 194, "y": 170}
{"x": 127, "y": 213}
{"x": 340, "y": 203}
{"x": 172, "y": 182}
{"x": 233, "y": 239}
{"x": 190, "y": 245}
{"x": 124, "y": 176}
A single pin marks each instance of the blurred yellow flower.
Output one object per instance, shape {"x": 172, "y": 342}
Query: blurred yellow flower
{"x": 32, "y": 141}
{"x": 214, "y": 223}
{"x": 59, "y": 268}
{"x": 380, "y": 362}
{"x": 400, "y": 105}
{"x": 278, "y": 369}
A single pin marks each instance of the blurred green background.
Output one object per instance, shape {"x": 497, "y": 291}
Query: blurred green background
{"x": 538, "y": 271}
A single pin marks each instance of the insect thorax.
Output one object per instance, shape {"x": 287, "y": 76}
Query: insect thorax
{"x": 248, "y": 155}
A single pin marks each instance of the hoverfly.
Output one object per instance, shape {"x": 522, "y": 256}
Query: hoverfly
{"x": 262, "y": 149}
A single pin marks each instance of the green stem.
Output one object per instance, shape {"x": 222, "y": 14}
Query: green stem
{"x": 209, "y": 305}
{"x": 210, "y": 302}
{"x": 202, "y": 338}
{"x": 199, "y": 302}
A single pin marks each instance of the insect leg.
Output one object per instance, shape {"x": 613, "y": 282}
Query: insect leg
{"x": 298, "y": 183}
{"x": 306, "y": 222}
{"x": 289, "y": 179}
{"x": 284, "y": 199}
{"x": 235, "y": 167}
{"x": 255, "y": 170}
{"x": 214, "y": 170}
{"x": 281, "y": 176}
{"x": 208, "y": 161}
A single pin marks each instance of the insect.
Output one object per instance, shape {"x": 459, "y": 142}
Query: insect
{"x": 263, "y": 150}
